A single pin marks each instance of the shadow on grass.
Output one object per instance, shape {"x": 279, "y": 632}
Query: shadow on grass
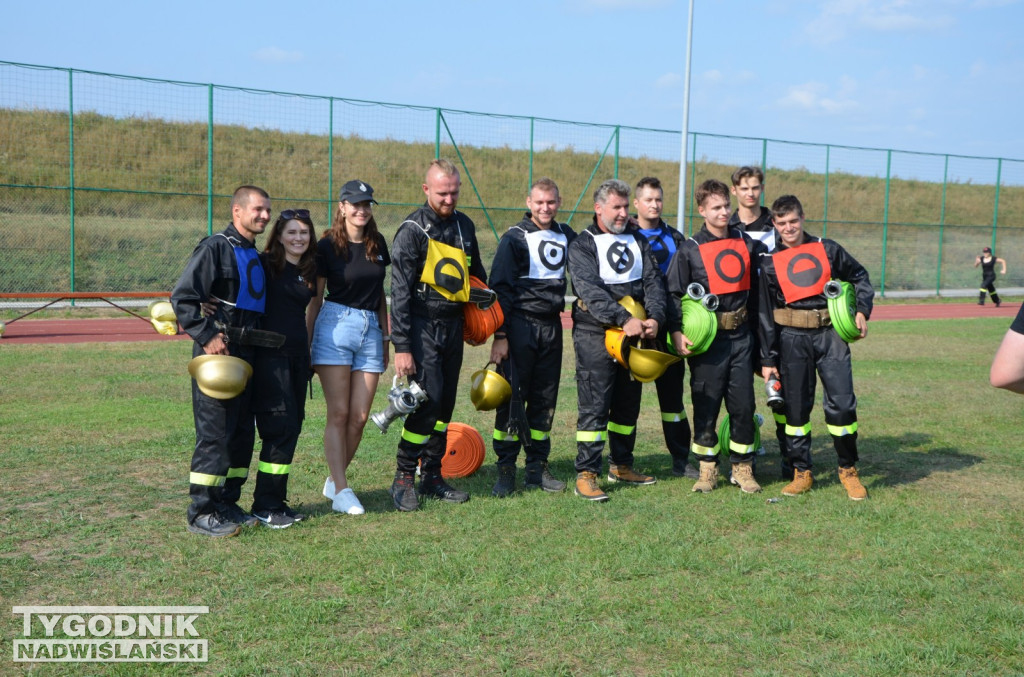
{"x": 891, "y": 460}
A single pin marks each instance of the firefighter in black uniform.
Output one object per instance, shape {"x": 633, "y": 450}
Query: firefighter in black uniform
{"x": 724, "y": 261}
{"x": 433, "y": 254}
{"x": 988, "y": 275}
{"x": 797, "y": 338}
{"x": 606, "y": 264}
{"x": 665, "y": 242}
{"x": 226, "y": 269}
{"x": 528, "y": 275}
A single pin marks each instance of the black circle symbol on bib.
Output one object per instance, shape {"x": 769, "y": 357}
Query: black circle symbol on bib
{"x": 730, "y": 266}
{"x": 257, "y": 284}
{"x": 620, "y": 258}
{"x": 552, "y": 255}
{"x": 804, "y": 270}
{"x": 448, "y": 275}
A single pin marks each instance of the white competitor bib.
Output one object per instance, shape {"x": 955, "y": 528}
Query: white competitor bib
{"x": 547, "y": 254}
{"x": 618, "y": 258}
{"x": 767, "y": 237}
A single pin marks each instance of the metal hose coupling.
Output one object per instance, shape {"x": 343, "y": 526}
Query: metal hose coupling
{"x": 695, "y": 290}
{"x": 710, "y": 301}
{"x": 833, "y": 289}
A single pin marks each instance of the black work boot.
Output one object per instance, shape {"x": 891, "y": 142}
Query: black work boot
{"x": 506, "y": 483}
{"x": 432, "y": 485}
{"x": 539, "y": 477}
{"x": 403, "y": 492}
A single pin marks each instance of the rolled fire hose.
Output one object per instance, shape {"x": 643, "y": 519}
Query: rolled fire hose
{"x": 842, "y": 309}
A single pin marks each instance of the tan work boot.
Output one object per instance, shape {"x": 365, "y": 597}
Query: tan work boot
{"x": 743, "y": 477}
{"x": 851, "y": 482}
{"x": 626, "y": 474}
{"x": 586, "y": 487}
{"x": 708, "y": 477}
{"x": 801, "y": 483}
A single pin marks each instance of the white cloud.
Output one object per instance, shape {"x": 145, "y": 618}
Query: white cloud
{"x": 276, "y": 55}
{"x": 713, "y": 75}
{"x": 668, "y": 81}
{"x": 837, "y": 18}
{"x": 619, "y": 4}
{"x": 814, "y": 97}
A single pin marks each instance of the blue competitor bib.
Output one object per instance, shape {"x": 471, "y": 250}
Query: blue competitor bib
{"x": 252, "y": 288}
{"x": 663, "y": 246}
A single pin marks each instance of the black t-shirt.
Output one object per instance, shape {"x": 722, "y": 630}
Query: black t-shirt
{"x": 1018, "y": 322}
{"x": 287, "y": 298}
{"x": 353, "y": 281}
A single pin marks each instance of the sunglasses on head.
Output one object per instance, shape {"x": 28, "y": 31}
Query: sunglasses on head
{"x": 289, "y": 214}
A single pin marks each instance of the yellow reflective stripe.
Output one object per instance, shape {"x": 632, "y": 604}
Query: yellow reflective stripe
{"x": 701, "y": 450}
{"x": 798, "y": 431}
{"x": 741, "y": 448}
{"x": 274, "y": 468}
{"x": 620, "y": 429}
{"x": 206, "y": 480}
{"x": 539, "y": 434}
{"x": 668, "y": 417}
{"x": 501, "y": 436}
{"x": 840, "y": 430}
{"x": 238, "y": 472}
{"x": 779, "y": 418}
{"x": 413, "y": 437}
{"x": 440, "y": 426}
{"x": 591, "y": 435}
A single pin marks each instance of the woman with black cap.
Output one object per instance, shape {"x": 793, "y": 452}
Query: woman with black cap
{"x": 988, "y": 275}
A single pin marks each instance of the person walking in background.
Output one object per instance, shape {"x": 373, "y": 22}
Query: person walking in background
{"x": 350, "y": 343}
{"x": 800, "y": 345}
{"x": 528, "y": 275}
{"x": 665, "y": 242}
{"x": 435, "y": 252}
{"x": 225, "y": 268}
{"x": 607, "y": 263}
{"x": 280, "y": 375}
{"x": 724, "y": 260}
{"x": 988, "y": 275}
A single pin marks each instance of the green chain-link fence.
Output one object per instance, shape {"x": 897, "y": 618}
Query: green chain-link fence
{"x": 108, "y": 181}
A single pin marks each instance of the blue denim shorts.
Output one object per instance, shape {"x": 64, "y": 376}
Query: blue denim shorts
{"x": 349, "y": 337}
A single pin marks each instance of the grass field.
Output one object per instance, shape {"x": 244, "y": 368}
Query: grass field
{"x": 924, "y": 578}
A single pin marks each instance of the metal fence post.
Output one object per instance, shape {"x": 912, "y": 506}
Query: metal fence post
{"x": 885, "y": 216}
{"x": 530, "y": 181}
{"x": 330, "y": 157}
{"x": 995, "y": 208}
{"x": 617, "y": 132}
{"x": 942, "y": 227}
{"x": 437, "y": 133}
{"x": 764, "y": 163}
{"x": 71, "y": 170}
{"x": 693, "y": 181}
{"x": 824, "y": 217}
{"x": 209, "y": 162}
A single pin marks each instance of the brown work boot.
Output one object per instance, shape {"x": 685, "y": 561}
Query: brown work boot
{"x": 708, "y": 477}
{"x": 851, "y": 482}
{"x": 626, "y": 474}
{"x": 801, "y": 483}
{"x": 743, "y": 477}
{"x": 586, "y": 487}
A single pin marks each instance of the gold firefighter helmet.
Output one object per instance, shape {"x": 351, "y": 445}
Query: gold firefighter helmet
{"x": 648, "y": 364}
{"x": 615, "y": 343}
{"x": 162, "y": 311}
{"x": 489, "y": 389}
{"x": 220, "y": 376}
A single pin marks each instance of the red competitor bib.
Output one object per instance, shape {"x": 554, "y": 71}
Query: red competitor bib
{"x": 727, "y": 263}
{"x": 802, "y": 271}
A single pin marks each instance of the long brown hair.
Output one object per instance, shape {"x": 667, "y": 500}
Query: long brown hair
{"x": 275, "y": 250}
{"x": 339, "y": 236}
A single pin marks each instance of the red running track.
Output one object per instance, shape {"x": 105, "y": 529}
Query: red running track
{"x": 112, "y": 330}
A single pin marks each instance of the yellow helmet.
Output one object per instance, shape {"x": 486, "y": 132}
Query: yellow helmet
{"x": 616, "y": 344}
{"x": 165, "y": 328}
{"x": 162, "y": 311}
{"x": 489, "y": 389}
{"x": 3, "y": 328}
{"x": 222, "y": 377}
{"x": 647, "y": 364}
{"x": 634, "y": 307}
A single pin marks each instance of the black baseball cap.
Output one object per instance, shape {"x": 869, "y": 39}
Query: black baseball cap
{"x": 356, "y": 191}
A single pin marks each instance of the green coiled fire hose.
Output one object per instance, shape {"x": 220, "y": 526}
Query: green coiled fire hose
{"x": 842, "y": 308}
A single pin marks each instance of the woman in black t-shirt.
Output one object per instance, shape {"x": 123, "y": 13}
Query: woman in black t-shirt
{"x": 350, "y": 344}
{"x": 280, "y": 375}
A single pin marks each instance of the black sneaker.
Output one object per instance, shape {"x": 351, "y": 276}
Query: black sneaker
{"x": 403, "y": 492}
{"x": 232, "y": 513}
{"x": 434, "y": 486}
{"x": 212, "y": 524}
{"x": 294, "y": 514}
{"x": 506, "y": 483}
{"x": 539, "y": 477}
{"x": 275, "y": 519}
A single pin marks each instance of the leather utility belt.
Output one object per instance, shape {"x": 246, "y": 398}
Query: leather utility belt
{"x": 803, "y": 319}
{"x": 247, "y": 336}
{"x": 732, "y": 319}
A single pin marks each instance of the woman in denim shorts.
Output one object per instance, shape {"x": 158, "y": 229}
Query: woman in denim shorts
{"x": 349, "y": 349}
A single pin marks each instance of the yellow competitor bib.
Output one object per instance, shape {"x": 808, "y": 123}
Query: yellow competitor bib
{"x": 447, "y": 271}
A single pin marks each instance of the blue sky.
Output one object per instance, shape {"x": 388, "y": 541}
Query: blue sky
{"x": 938, "y": 76}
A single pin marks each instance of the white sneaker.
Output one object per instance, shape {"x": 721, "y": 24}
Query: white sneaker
{"x": 329, "y": 491}
{"x": 347, "y": 502}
